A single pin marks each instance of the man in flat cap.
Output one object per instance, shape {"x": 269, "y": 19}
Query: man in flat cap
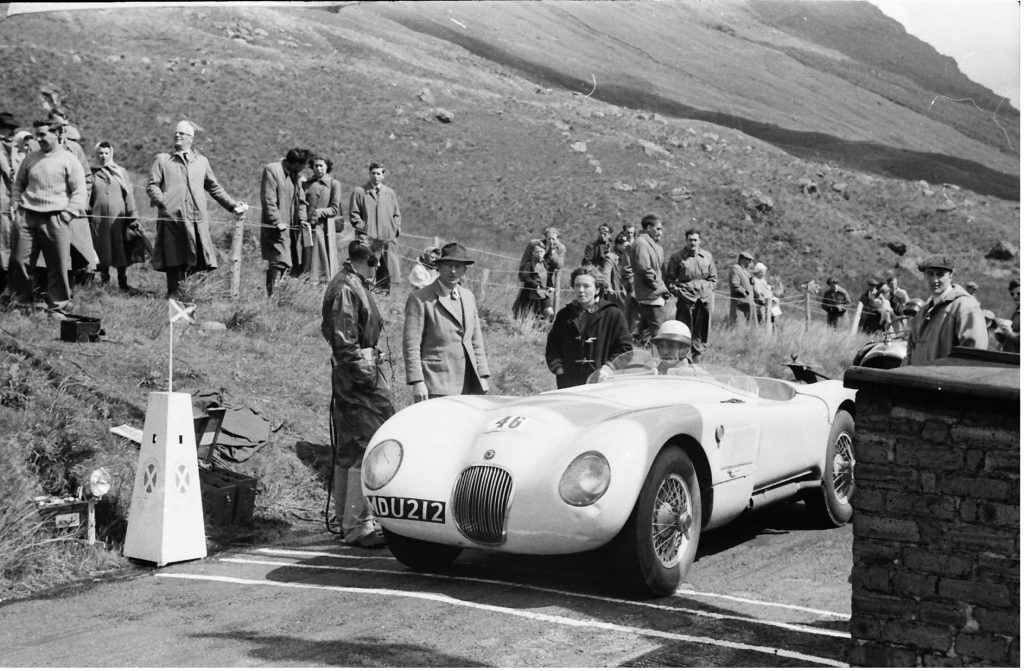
{"x": 949, "y": 318}
{"x": 740, "y": 288}
{"x": 178, "y": 184}
{"x": 834, "y": 302}
{"x": 442, "y": 343}
{"x": 870, "y": 316}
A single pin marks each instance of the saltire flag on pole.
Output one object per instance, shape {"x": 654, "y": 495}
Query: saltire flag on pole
{"x": 177, "y": 311}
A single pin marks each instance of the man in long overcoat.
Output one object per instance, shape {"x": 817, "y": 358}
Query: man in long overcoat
{"x": 285, "y": 233}
{"x": 177, "y": 182}
{"x": 361, "y": 397}
{"x": 373, "y": 211}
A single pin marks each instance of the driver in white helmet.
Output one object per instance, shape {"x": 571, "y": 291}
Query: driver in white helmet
{"x": 672, "y": 342}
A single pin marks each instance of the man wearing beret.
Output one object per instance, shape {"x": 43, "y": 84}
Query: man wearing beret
{"x": 442, "y": 343}
{"x": 950, "y": 317}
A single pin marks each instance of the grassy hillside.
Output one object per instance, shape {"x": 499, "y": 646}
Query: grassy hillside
{"x": 532, "y": 143}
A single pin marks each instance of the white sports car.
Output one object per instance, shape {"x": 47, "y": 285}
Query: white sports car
{"x": 641, "y": 462}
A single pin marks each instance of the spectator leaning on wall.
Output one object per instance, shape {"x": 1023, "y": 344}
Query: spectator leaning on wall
{"x": 950, "y": 317}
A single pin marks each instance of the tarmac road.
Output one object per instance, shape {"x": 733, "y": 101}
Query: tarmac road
{"x": 765, "y": 591}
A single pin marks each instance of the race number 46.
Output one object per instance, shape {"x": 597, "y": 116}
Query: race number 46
{"x": 507, "y": 423}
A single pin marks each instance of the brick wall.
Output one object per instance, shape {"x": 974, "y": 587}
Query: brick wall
{"x": 936, "y": 551}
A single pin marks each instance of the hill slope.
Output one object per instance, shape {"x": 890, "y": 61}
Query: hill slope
{"x": 638, "y": 124}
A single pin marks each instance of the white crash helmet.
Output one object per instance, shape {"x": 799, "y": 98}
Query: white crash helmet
{"x": 673, "y": 329}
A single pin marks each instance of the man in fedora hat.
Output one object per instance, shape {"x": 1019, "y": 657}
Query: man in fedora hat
{"x": 442, "y": 343}
{"x": 739, "y": 287}
{"x": 177, "y": 182}
{"x": 950, "y": 317}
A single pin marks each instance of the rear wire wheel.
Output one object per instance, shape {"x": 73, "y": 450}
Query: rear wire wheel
{"x": 830, "y": 505}
{"x": 656, "y": 547}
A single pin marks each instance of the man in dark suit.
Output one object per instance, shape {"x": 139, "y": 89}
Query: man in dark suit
{"x": 442, "y": 342}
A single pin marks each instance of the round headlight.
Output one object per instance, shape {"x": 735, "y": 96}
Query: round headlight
{"x": 381, "y": 463}
{"x": 585, "y": 480}
{"x": 99, "y": 482}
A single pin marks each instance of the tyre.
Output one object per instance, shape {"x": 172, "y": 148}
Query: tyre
{"x": 421, "y": 555}
{"x": 830, "y": 506}
{"x": 656, "y": 547}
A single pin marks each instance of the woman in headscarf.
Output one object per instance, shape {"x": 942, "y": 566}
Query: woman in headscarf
{"x": 424, "y": 271}
{"x": 587, "y": 333}
{"x": 112, "y": 211}
{"x": 533, "y": 298}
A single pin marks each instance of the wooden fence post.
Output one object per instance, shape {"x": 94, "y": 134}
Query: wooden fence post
{"x": 807, "y": 309}
{"x": 332, "y": 247}
{"x": 555, "y": 289}
{"x": 856, "y": 318}
{"x": 236, "y": 254}
{"x": 484, "y": 276}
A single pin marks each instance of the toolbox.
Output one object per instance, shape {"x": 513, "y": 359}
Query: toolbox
{"x": 76, "y": 328}
{"x": 229, "y": 498}
{"x": 68, "y": 515}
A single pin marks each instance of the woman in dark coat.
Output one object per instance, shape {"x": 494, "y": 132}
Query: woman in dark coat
{"x": 533, "y": 298}
{"x": 587, "y": 333}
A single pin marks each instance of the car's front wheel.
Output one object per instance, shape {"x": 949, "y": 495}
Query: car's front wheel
{"x": 656, "y": 547}
{"x": 830, "y": 505}
{"x": 421, "y": 555}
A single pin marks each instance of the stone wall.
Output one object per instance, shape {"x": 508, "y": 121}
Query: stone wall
{"x": 936, "y": 551}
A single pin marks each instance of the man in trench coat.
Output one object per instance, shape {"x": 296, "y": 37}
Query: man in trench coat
{"x": 285, "y": 234}
{"x": 178, "y": 184}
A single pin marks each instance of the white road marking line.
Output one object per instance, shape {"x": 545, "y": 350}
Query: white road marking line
{"x": 676, "y": 609}
{"x": 540, "y": 617}
{"x": 756, "y": 602}
{"x": 806, "y": 609}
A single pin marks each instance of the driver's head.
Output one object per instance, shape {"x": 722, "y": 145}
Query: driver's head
{"x": 672, "y": 340}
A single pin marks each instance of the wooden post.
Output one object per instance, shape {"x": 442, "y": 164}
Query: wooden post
{"x": 437, "y": 242}
{"x": 807, "y": 309}
{"x": 236, "y": 254}
{"x": 484, "y": 276}
{"x": 856, "y": 318}
{"x": 332, "y": 247}
{"x": 556, "y": 297}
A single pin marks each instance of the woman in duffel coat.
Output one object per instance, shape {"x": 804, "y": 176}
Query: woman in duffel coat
{"x": 587, "y": 333}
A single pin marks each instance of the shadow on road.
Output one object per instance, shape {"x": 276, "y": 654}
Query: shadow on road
{"x": 366, "y": 652}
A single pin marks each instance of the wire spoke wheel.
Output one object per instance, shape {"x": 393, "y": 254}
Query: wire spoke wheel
{"x": 671, "y": 520}
{"x": 842, "y": 467}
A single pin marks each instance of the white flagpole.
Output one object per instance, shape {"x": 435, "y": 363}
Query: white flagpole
{"x": 170, "y": 353}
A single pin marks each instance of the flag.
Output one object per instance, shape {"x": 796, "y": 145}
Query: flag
{"x": 176, "y": 311}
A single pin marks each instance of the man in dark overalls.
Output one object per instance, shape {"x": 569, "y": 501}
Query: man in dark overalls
{"x": 361, "y": 395}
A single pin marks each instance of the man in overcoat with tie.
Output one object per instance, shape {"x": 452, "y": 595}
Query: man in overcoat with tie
{"x": 442, "y": 342}
{"x": 373, "y": 211}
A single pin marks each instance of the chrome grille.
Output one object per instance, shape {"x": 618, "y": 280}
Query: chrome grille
{"x": 480, "y": 502}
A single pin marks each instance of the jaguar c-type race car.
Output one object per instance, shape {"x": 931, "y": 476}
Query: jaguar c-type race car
{"x": 641, "y": 462}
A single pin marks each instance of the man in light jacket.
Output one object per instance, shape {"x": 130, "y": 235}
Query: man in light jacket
{"x": 442, "y": 343}
{"x": 178, "y": 184}
{"x": 950, "y": 317}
